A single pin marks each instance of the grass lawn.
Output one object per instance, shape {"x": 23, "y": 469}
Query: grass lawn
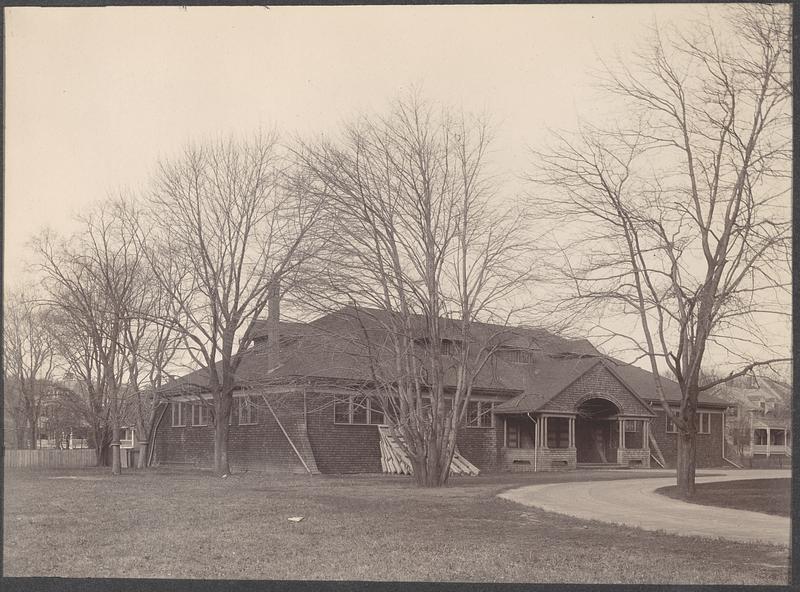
{"x": 183, "y": 524}
{"x": 770, "y": 496}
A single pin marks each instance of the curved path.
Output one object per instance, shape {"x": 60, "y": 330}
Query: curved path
{"x": 633, "y": 502}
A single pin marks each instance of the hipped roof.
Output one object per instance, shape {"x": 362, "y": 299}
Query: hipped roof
{"x": 350, "y": 347}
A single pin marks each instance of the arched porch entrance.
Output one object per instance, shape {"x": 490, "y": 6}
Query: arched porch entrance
{"x": 597, "y": 431}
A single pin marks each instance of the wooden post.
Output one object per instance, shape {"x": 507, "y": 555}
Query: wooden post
{"x": 544, "y": 432}
{"x": 116, "y": 465}
{"x": 621, "y": 434}
{"x": 768, "y": 441}
{"x": 646, "y": 434}
{"x": 572, "y": 432}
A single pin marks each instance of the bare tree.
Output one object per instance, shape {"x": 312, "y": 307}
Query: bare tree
{"x": 29, "y": 364}
{"x": 681, "y": 218}
{"x": 94, "y": 281}
{"x": 223, "y": 236}
{"x": 421, "y": 252}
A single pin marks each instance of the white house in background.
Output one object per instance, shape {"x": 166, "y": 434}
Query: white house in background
{"x": 760, "y": 421}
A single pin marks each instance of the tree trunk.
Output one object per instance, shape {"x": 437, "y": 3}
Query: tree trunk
{"x": 142, "y": 462}
{"x": 116, "y": 464}
{"x": 430, "y": 472}
{"x": 687, "y": 461}
{"x": 34, "y": 433}
{"x": 20, "y": 436}
{"x": 221, "y": 466}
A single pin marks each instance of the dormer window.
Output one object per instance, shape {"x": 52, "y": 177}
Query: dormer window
{"x": 450, "y": 347}
{"x": 515, "y": 355}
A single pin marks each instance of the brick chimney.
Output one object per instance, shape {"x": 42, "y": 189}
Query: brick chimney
{"x": 273, "y": 326}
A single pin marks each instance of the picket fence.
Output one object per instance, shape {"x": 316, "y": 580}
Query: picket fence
{"x": 49, "y": 458}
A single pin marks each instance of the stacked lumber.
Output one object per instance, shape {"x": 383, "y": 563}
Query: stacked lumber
{"x": 461, "y": 466}
{"x": 393, "y": 457}
{"x": 395, "y": 460}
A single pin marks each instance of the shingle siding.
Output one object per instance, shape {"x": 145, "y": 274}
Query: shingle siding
{"x": 597, "y": 381}
{"x": 481, "y": 446}
{"x": 341, "y": 448}
{"x": 261, "y": 446}
{"x": 709, "y": 446}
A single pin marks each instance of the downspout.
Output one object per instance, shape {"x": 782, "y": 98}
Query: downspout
{"x": 535, "y": 439}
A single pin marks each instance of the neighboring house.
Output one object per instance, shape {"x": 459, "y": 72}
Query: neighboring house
{"x": 541, "y": 402}
{"x": 759, "y": 421}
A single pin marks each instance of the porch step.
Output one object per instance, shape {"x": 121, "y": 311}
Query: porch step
{"x": 600, "y": 466}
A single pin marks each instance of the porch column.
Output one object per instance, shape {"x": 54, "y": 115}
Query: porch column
{"x": 646, "y": 434}
{"x": 768, "y": 441}
{"x": 621, "y": 434}
{"x": 544, "y": 432}
{"x": 572, "y": 432}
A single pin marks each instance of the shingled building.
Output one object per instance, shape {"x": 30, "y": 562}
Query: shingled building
{"x": 541, "y": 402}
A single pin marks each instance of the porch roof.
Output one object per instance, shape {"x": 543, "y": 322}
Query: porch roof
{"x": 549, "y": 381}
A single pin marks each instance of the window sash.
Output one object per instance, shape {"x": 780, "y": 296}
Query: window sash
{"x": 703, "y": 424}
{"x": 199, "y": 414}
{"x": 177, "y": 415}
{"x": 248, "y": 414}
{"x": 357, "y": 410}
{"x": 479, "y": 414}
{"x": 671, "y": 427}
{"x": 633, "y": 425}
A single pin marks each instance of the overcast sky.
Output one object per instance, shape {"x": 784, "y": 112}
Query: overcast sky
{"x": 96, "y": 96}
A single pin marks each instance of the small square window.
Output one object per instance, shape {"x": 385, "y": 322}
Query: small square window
{"x": 479, "y": 414}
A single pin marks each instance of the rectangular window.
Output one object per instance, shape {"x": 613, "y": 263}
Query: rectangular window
{"x": 671, "y": 427}
{"x": 248, "y": 412}
{"x": 704, "y": 423}
{"x": 479, "y": 414}
{"x": 357, "y": 410}
{"x": 375, "y": 413}
{"x": 451, "y": 347}
{"x": 341, "y": 410}
{"x": 177, "y": 414}
{"x": 199, "y": 414}
{"x": 633, "y": 425}
{"x": 512, "y": 434}
{"x": 515, "y": 356}
{"x": 557, "y": 432}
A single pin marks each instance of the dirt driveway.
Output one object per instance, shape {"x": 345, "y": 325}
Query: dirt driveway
{"x": 633, "y": 502}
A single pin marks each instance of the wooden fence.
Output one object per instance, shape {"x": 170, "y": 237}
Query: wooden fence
{"x": 51, "y": 459}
